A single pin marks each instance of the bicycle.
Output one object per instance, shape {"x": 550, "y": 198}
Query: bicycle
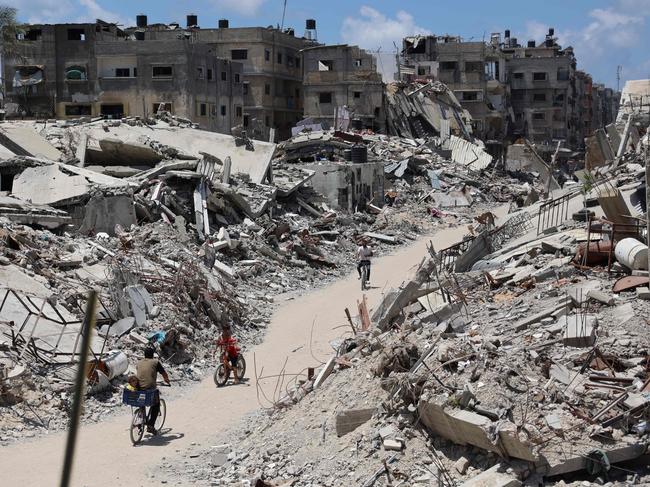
{"x": 365, "y": 272}
{"x": 222, "y": 374}
{"x": 139, "y": 402}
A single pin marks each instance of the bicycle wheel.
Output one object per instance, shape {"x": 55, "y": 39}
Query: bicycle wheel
{"x": 137, "y": 426}
{"x": 221, "y": 376}
{"x": 160, "y": 420}
{"x": 241, "y": 367}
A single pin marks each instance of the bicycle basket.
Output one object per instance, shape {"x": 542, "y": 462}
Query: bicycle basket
{"x": 138, "y": 398}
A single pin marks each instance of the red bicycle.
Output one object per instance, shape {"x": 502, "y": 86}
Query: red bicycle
{"x": 222, "y": 374}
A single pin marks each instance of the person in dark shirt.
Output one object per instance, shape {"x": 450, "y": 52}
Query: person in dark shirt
{"x": 147, "y": 371}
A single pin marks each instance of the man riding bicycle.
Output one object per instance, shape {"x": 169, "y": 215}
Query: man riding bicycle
{"x": 364, "y": 253}
{"x": 147, "y": 370}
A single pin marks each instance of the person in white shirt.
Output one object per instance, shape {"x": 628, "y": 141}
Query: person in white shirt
{"x": 364, "y": 253}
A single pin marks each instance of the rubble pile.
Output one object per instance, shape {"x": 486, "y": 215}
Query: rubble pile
{"x": 534, "y": 370}
{"x": 180, "y": 240}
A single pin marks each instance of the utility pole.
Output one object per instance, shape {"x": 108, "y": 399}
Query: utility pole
{"x": 619, "y": 69}
{"x": 647, "y": 199}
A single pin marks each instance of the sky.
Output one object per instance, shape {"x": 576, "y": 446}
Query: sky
{"x": 605, "y": 34}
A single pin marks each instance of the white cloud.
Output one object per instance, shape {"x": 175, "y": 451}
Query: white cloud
{"x": 55, "y": 11}
{"x": 95, "y": 11}
{"x": 609, "y": 37}
{"x": 374, "y": 30}
{"x": 243, "y": 7}
{"x": 42, "y": 11}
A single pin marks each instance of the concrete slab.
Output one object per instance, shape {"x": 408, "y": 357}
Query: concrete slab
{"x": 140, "y": 302}
{"x": 103, "y": 212}
{"x": 493, "y": 477}
{"x": 25, "y": 141}
{"x": 50, "y": 184}
{"x": 192, "y": 142}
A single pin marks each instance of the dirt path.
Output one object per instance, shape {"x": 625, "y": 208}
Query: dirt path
{"x": 105, "y": 456}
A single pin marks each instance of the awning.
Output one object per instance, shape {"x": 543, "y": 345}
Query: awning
{"x": 28, "y": 75}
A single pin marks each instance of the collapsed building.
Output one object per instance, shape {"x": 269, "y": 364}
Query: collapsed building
{"x": 514, "y": 90}
{"x": 512, "y": 356}
{"x": 517, "y": 356}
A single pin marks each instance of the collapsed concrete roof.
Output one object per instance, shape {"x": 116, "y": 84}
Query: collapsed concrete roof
{"x": 192, "y": 142}
{"x": 47, "y": 183}
{"x": 25, "y": 141}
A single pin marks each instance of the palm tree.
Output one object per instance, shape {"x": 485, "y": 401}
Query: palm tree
{"x": 9, "y": 49}
{"x": 9, "y": 30}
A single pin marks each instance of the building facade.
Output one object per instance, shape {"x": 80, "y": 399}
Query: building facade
{"x": 474, "y": 71}
{"x": 542, "y": 82}
{"x": 73, "y": 70}
{"x": 343, "y": 79}
{"x": 272, "y": 69}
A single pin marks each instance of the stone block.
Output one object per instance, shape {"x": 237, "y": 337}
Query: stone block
{"x": 461, "y": 465}
{"x": 493, "y": 477}
{"x": 219, "y": 455}
{"x": 579, "y": 330}
{"x": 349, "y": 420}
{"x": 600, "y": 297}
{"x": 643, "y": 293}
{"x": 393, "y": 445}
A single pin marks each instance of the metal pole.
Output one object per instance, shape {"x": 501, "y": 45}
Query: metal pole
{"x": 80, "y": 382}
{"x": 647, "y": 195}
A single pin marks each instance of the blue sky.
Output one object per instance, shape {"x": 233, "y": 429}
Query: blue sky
{"x": 604, "y": 33}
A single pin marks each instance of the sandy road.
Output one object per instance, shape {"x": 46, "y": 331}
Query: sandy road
{"x": 105, "y": 456}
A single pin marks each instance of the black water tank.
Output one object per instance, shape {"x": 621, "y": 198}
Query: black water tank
{"x": 289, "y": 31}
{"x": 347, "y": 155}
{"x": 531, "y": 43}
{"x": 507, "y": 33}
{"x": 513, "y": 42}
{"x": 223, "y": 23}
{"x": 139, "y": 35}
{"x": 192, "y": 20}
{"x": 359, "y": 154}
{"x": 310, "y": 24}
{"x": 141, "y": 20}
{"x": 551, "y": 31}
{"x": 549, "y": 42}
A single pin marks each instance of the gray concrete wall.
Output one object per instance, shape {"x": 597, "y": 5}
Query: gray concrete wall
{"x": 140, "y": 93}
{"x": 347, "y": 185}
{"x": 353, "y": 81}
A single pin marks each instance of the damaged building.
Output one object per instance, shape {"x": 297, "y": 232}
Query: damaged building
{"x": 343, "y": 88}
{"x": 271, "y": 78}
{"x": 475, "y": 71}
{"x": 99, "y": 70}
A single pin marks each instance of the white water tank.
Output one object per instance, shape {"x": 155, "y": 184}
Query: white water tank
{"x": 632, "y": 254}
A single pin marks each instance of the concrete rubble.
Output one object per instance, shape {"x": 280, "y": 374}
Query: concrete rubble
{"x": 517, "y": 356}
{"x": 511, "y": 358}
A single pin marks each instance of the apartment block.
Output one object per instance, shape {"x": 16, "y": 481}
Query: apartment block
{"x": 475, "y": 71}
{"x": 343, "y": 78}
{"x": 272, "y": 68}
{"x": 542, "y": 81}
{"x": 97, "y": 69}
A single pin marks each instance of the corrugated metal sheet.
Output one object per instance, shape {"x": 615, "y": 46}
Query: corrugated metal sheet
{"x": 468, "y": 154}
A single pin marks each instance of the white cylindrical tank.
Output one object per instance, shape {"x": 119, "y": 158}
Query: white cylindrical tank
{"x": 116, "y": 363}
{"x": 632, "y": 254}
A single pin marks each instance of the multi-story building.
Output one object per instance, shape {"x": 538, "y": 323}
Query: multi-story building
{"x": 97, "y": 69}
{"x": 542, "y": 81}
{"x": 341, "y": 79}
{"x": 475, "y": 71}
{"x": 272, "y": 68}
